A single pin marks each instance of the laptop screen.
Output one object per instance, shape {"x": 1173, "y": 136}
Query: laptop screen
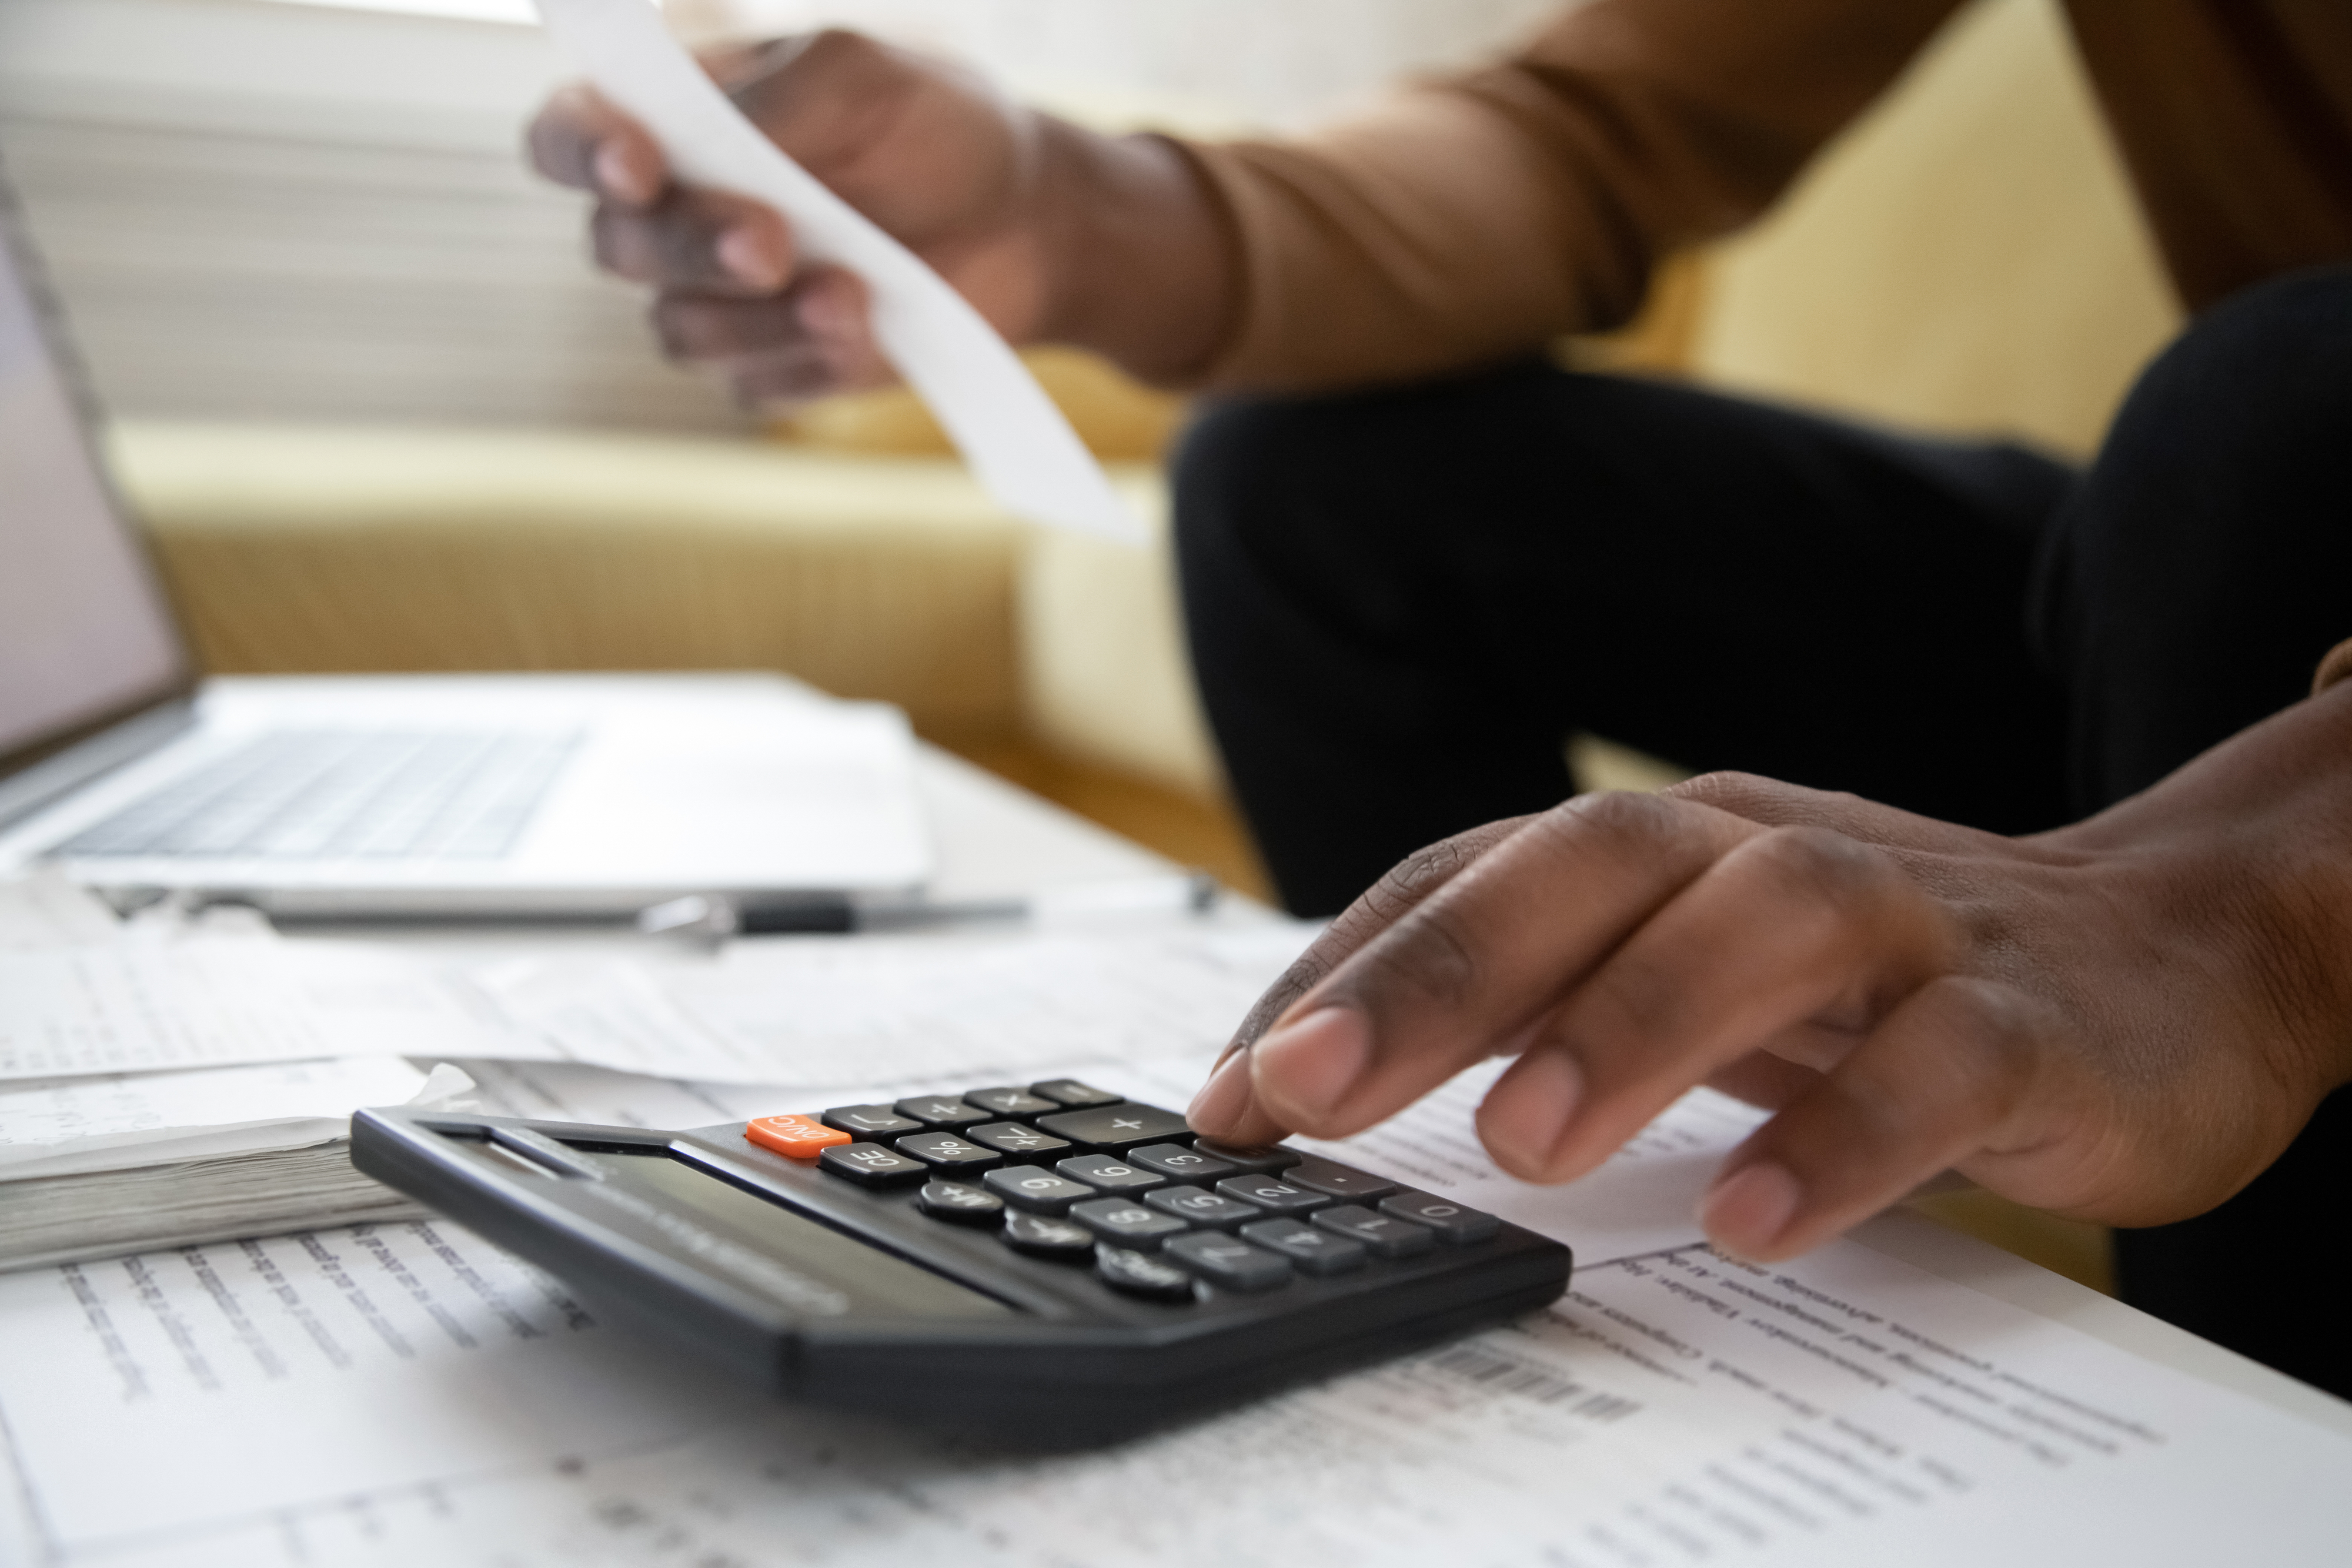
{"x": 85, "y": 633}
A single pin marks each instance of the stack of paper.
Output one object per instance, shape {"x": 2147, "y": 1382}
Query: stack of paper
{"x": 95, "y": 1164}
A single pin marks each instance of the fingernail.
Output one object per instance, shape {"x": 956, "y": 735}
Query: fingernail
{"x": 824, "y": 313}
{"x": 1745, "y": 1212}
{"x": 1219, "y": 1103}
{"x": 1528, "y": 1114}
{"x": 744, "y": 254}
{"x": 1311, "y": 1062}
{"x": 616, "y": 176}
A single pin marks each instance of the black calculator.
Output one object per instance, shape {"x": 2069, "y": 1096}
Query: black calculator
{"x": 1052, "y": 1263}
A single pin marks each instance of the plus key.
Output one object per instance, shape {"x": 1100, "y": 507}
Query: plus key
{"x": 1116, "y": 1128}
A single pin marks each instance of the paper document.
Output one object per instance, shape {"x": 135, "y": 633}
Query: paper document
{"x": 1019, "y": 445}
{"x": 811, "y": 1010}
{"x": 403, "y": 1393}
{"x": 125, "y": 1120}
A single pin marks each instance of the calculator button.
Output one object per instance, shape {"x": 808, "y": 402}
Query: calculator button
{"x": 1456, "y": 1224}
{"x": 960, "y": 1202}
{"x": 1261, "y": 1158}
{"x": 1177, "y": 1161}
{"x": 1336, "y": 1180}
{"x": 946, "y": 1149}
{"x": 1071, "y": 1094}
{"x": 794, "y": 1138}
{"x": 1122, "y": 1220}
{"x": 1109, "y": 1174}
{"x": 942, "y": 1111}
{"x": 1201, "y": 1207}
{"x": 1014, "y": 1139}
{"x": 1272, "y": 1194}
{"x": 1221, "y": 1261}
{"x": 870, "y": 1121}
{"x": 1386, "y": 1235}
{"x": 1035, "y": 1188}
{"x": 1311, "y": 1250}
{"x": 1140, "y": 1274}
{"x": 1009, "y": 1101}
{"x": 1042, "y": 1236}
{"x": 1117, "y": 1127}
{"x": 871, "y": 1164}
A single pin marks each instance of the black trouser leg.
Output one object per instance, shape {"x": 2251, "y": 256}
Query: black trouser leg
{"x": 1401, "y": 603}
{"x": 2190, "y": 587}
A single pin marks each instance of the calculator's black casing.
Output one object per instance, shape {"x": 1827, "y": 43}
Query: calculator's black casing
{"x": 1072, "y": 1362}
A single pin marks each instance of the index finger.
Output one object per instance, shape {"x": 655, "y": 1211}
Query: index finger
{"x": 1471, "y": 968}
{"x": 579, "y": 139}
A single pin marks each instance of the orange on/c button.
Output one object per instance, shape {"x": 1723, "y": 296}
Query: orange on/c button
{"x": 796, "y": 1137}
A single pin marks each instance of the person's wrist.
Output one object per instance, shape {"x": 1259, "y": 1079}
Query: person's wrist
{"x": 1137, "y": 265}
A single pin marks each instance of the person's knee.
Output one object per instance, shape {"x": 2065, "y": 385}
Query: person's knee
{"x": 2263, "y": 376}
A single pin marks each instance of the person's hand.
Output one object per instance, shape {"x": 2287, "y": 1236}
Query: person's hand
{"x": 2123, "y": 1021}
{"x": 1051, "y": 232}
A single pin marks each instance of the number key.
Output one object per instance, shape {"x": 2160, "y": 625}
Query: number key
{"x": 1221, "y": 1261}
{"x": 1183, "y": 1164}
{"x": 1130, "y": 1224}
{"x": 1311, "y": 1250}
{"x": 1272, "y": 1194}
{"x": 1202, "y": 1208}
{"x": 1110, "y": 1175}
{"x": 1035, "y": 1188}
{"x": 1386, "y": 1235}
{"x": 1458, "y": 1224}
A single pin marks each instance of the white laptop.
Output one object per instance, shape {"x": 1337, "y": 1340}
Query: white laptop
{"x": 408, "y": 795}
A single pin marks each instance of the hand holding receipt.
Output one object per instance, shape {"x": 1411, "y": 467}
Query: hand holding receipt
{"x": 1018, "y": 443}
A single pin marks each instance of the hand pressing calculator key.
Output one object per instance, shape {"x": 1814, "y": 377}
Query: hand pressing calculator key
{"x": 1051, "y": 1263}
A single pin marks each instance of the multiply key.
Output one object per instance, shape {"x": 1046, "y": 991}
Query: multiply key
{"x": 1010, "y": 1101}
{"x": 1117, "y": 1128}
{"x": 1071, "y": 1094}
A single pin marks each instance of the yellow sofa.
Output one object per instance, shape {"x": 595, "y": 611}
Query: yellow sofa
{"x": 1966, "y": 259}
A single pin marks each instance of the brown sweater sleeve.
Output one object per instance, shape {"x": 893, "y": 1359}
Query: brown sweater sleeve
{"x": 1469, "y": 219}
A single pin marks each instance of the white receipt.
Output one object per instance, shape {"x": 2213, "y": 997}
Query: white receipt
{"x": 402, "y": 1393}
{"x": 1017, "y": 442}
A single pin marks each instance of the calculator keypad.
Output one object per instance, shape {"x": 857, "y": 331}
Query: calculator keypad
{"x": 1066, "y": 1171}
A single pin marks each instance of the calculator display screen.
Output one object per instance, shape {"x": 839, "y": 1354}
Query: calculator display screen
{"x": 766, "y": 1244}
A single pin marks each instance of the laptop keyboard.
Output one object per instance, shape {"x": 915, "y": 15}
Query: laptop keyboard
{"x": 350, "y": 794}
